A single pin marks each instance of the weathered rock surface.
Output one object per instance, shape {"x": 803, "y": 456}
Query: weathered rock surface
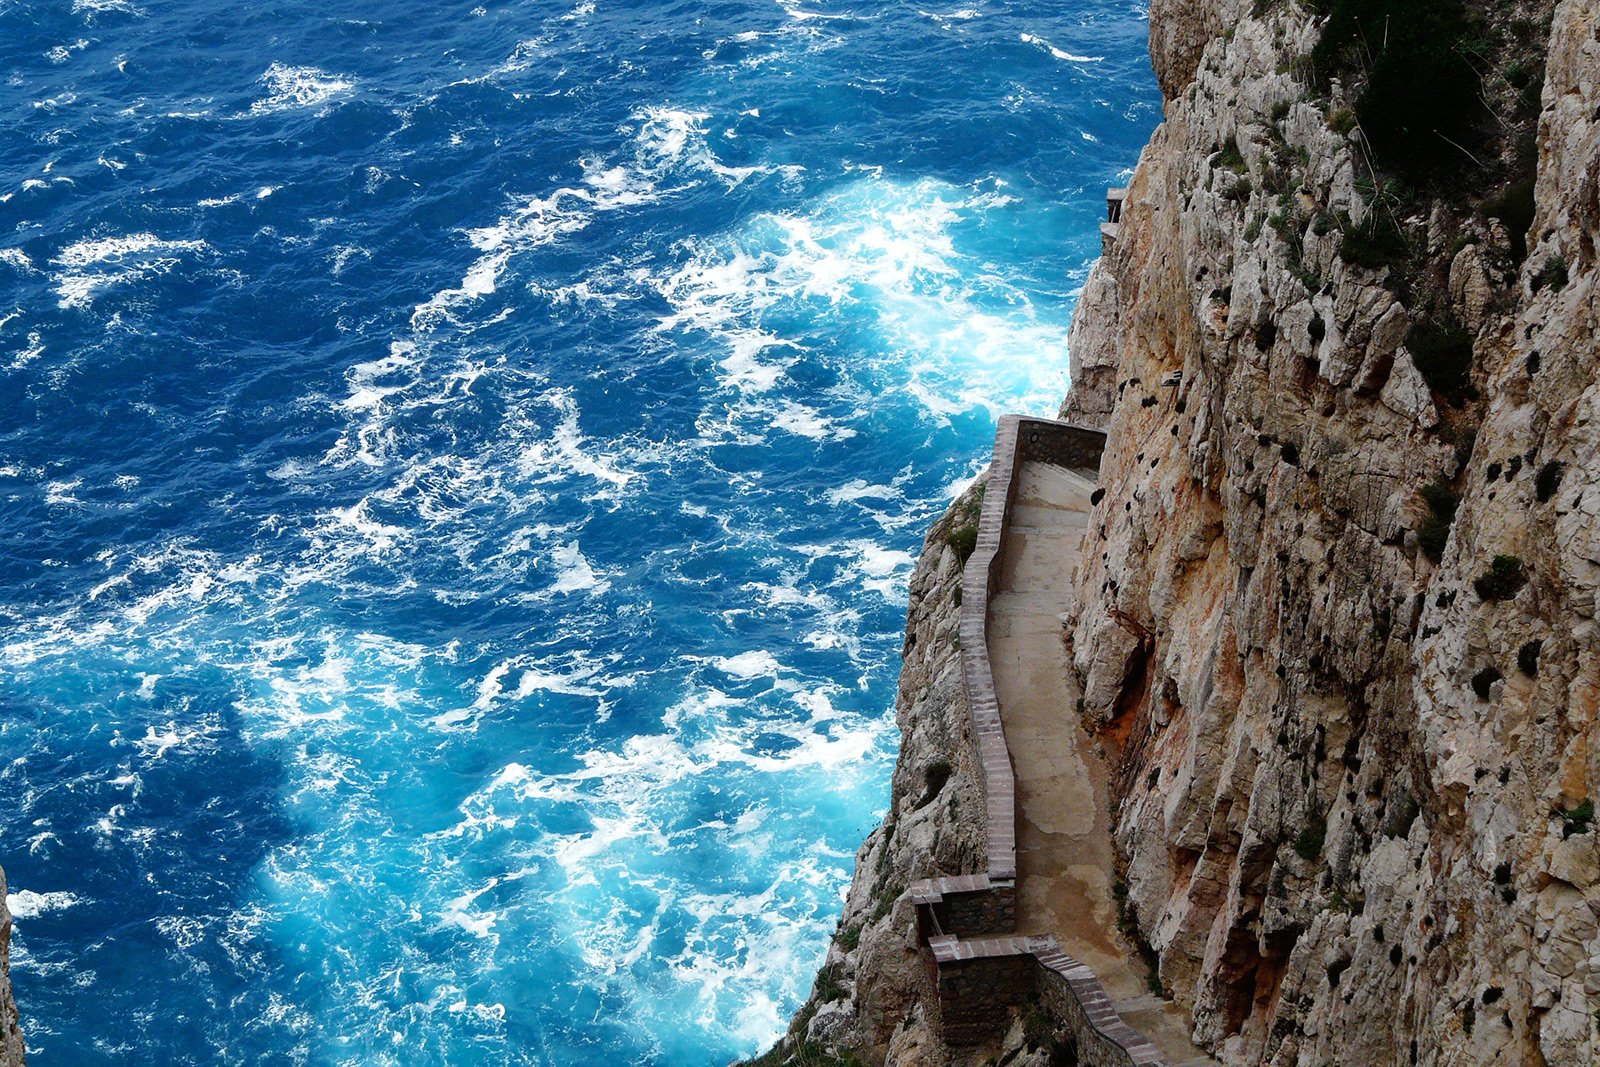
{"x": 1355, "y": 852}
{"x": 11, "y": 1046}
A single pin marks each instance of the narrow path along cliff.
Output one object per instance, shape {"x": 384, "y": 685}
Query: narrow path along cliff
{"x": 1066, "y": 884}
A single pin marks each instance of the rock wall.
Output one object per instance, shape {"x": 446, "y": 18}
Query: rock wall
{"x": 1354, "y": 783}
{"x": 11, "y": 1046}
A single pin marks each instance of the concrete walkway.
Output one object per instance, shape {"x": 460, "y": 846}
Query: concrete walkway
{"x": 1065, "y": 862}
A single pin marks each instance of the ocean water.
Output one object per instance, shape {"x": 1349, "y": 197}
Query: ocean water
{"x": 459, "y": 472}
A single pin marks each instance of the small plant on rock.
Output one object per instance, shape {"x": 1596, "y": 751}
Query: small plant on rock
{"x": 1502, "y": 580}
{"x": 1578, "y": 819}
{"x": 1552, "y": 275}
{"x": 1308, "y": 843}
{"x": 1442, "y": 352}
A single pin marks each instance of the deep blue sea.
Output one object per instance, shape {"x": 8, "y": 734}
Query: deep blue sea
{"x": 459, "y": 473}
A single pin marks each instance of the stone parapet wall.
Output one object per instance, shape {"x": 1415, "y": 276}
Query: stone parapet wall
{"x": 980, "y": 980}
{"x": 1017, "y": 439}
{"x": 967, "y": 905}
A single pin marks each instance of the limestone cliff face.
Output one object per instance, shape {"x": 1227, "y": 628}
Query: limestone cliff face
{"x": 1353, "y": 782}
{"x": 11, "y": 1047}
{"x": 1337, "y": 613}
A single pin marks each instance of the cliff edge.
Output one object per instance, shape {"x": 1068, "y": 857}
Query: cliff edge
{"x": 1336, "y": 621}
{"x": 11, "y": 1043}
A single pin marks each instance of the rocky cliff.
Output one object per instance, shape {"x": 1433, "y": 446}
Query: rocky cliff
{"x": 1341, "y": 600}
{"x": 1337, "y": 623}
{"x": 11, "y": 1046}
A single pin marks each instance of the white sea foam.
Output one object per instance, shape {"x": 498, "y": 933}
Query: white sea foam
{"x": 91, "y": 8}
{"x": 568, "y": 452}
{"x": 289, "y": 88}
{"x": 92, "y": 265}
{"x": 63, "y": 52}
{"x": 27, "y": 904}
{"x": 757, "y": 663}
{"x": 858, "y": 489}
{"x": 33, "y": 350}
{"x": 1061, "y": 54}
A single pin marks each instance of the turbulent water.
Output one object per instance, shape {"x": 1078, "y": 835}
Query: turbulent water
{"x": 460, "y": 470}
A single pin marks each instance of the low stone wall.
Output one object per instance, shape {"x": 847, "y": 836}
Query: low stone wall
{"x": 1017, "y": 439}
{"x": 968, "y": 905}
{"x": 980, "y": 977}
{"x": 981, "y": 980}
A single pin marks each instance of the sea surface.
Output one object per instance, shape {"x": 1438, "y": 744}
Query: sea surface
{"x": 460, "y": 469}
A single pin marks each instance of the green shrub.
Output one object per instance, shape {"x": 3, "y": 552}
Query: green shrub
{"x": 1514, "y": 208}
{"x": 1502, "y": 580}
{"x": 964, "y": 539}
{"x": 1553, "y": 274}
{"x": 962, "y": 533}
{"x": 1231, "y": 157}
{"x": 1420, "y": 109}
{"x": 1577, "y": 820}
{"x": 1548, "y": 480}
{"x": 1442, "y": 352}
{"x": 1308, "y": 843}
{"x": 829, "y": 988}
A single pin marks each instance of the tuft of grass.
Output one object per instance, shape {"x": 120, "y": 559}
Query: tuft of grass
{"x": 1552, "y": 275}
{"x": 1578, "y": 819}
{"x": 1342, "y": 121}
{"x": 1376, "y": 243}
{"x": 1502, "y": 580}
{"x": 886, "y": 901}
{"x": 962, "y": 533}
{"x": 829, "y": 988}
{"x": 1231, "y": 157}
